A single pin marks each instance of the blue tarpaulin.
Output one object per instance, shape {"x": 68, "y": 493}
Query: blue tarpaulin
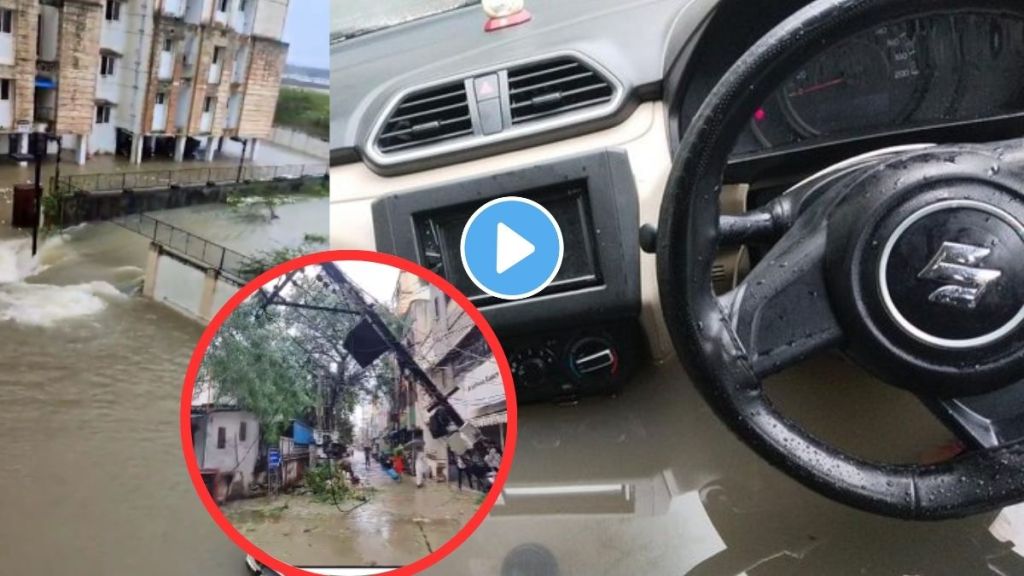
{"x": 301, "y": 433}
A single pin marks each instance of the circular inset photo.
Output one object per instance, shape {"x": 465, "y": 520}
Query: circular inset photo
{"x": 348, "y": 410}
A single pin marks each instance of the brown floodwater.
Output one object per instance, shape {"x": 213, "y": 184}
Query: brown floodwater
{"x": 92, "y": 477}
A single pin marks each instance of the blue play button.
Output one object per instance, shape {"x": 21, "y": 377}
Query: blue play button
{"x": 512, "y": 248}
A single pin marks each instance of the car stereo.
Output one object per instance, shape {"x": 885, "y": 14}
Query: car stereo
{"x": 579, "y": 335}
{"x": 594, "y": 202}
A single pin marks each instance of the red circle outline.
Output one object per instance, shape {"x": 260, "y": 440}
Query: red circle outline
{"x": 335, "y": 256}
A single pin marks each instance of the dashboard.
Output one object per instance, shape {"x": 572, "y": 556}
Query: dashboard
{"x": 941, "y": 69}
{"x": 951, "y": 76}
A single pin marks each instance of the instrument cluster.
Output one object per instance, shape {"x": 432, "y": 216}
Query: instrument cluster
{"x": 918, "y": 73}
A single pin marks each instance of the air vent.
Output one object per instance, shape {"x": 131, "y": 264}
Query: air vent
{"x": 554, "y": 87}
{"x": 427, "y": 117}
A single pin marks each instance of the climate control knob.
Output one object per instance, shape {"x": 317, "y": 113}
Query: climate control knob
{"x": 531, "y": 367}
{"x": 593, "y": 358}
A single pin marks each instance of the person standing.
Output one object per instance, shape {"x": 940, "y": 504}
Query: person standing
{"x": 398, "y": 464}
{"x": 460, "y": 465}
{"x": 422, "y": 467}
{"x": 493, "y": 459}
{"x": 366, "y": 456}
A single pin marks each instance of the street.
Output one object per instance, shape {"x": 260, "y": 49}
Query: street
{"x": 398, "y": 525}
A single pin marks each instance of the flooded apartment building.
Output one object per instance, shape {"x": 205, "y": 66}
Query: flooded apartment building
{"x": 140, "y": 78}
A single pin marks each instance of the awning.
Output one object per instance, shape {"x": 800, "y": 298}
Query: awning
{"x": 109, "y": 52}
{"x": 105, "y": 102}
{"x": 45, "y": 82}
{"x": 490, "y": 419}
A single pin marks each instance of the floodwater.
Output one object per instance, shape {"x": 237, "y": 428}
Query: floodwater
{"x": 249, "y": 229}
{"x": 92, "y": 478}
{"x": 397, "y": 526}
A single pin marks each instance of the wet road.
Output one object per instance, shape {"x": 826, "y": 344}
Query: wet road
{"x": 399, "y": 525}
{"x": 92, "y": 478}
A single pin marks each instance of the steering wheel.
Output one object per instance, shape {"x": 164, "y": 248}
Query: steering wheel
{"x": 910, "y": 261}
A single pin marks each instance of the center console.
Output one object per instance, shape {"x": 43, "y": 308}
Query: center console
{"x": 577, "y": 336}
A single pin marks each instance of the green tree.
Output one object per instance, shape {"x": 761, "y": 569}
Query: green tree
{"x": 287, "y": 361}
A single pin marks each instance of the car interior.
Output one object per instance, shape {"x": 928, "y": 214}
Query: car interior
{"x": 787, "y": 335}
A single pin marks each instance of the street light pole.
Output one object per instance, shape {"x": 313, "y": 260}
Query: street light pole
{"x": 38, "y": 143}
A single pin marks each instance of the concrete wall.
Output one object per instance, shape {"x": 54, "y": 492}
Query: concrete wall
{"x": 300, "y": 141}
{"x": 270, "y": 17}
{"x": 266, "y": 64}
{"x": 79, "y": 59}
{"x": 189, "y": 287}
{"x": 26, "y": 31}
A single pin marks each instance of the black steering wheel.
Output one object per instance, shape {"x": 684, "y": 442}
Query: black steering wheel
{"x": 910, "y": 261}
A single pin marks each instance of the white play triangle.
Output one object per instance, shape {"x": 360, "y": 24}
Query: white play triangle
{"x": 512, "y": 248}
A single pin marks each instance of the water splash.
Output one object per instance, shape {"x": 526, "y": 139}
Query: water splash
{"x": 44, "y": 305}
{"x": 16, "y": 261}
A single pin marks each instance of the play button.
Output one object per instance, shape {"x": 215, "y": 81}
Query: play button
{"x": 512, "y": 248}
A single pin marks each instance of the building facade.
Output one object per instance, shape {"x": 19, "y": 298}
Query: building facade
{"x": 140, "y": 78}
{"x": 447, "y": 344}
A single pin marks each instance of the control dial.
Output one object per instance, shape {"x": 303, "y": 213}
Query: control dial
{"x": 593, "y": 358}
{"x": 531, "y": 367}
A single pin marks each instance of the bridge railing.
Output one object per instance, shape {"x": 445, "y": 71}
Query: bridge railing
{"x": 225, "y": 260}
{"x": 117, "y": 181}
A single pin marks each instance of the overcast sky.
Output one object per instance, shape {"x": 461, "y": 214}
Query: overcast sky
{"x": 377, "y": 279}
{"x": 307, "y": 31}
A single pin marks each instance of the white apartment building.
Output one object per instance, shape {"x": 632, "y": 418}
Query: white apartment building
{"x": 140, "y": 78}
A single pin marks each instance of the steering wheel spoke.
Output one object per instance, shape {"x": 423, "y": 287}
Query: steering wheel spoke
{"x": 987, "y": 420}
{"x": 781, "y": 312}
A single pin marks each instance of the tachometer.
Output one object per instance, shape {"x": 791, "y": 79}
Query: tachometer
{"x": 873, "y": 80}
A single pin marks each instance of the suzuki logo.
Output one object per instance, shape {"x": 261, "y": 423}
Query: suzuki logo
{"x": 959, "y": 267}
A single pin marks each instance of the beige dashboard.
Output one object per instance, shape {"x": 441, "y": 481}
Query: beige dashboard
{"x": 643, "y": 136}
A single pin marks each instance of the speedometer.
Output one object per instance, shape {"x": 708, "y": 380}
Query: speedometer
{"x": 871, "y": 81}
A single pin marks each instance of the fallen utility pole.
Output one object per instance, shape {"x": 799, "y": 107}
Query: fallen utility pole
{"x": 406, "y": 362}
{"x": 441, "y": 409}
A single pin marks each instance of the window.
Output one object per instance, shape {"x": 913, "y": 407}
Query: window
{"x": 107, "y": 65}
{"x": 241, "y": 5}
{"x": 113, "y": 10}
{"x": 222, "y": 6}
{"x": 5, "y": 89}
{"x": 218, "y": 54}
{"x": 208, "y": 104}
{"x": 161, "y": 98}
{"x": 222, "y": 438}
{"x": 6, "y": 21}
{"x": 102, "y": 114}
{"x": 242, "y": 431}
{"x": 168, "y": 45}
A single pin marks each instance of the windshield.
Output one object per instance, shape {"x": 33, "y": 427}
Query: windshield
{"x": 351, "y": 18}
